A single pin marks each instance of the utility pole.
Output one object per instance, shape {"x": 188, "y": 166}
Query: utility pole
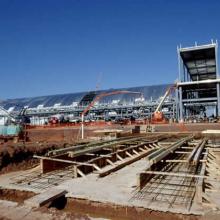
{"x": 82, "y": 125}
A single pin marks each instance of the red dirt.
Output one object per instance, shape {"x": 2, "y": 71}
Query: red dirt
{"x": 191, "y": 127}
{"x": 19, "y": 156}
{"x": 73, "y": 208}
{"x": 117, "y": 212}
{"x": 15, "y": 195}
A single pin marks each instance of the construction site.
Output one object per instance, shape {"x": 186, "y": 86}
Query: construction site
{"x": 150, "y": 152}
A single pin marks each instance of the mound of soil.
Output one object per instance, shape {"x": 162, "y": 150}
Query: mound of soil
{"x": 15, "y": 195}
{"x": 19, "y": 156}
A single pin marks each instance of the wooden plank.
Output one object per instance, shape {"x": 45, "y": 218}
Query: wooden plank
{"x": 75, "y": 171}
{"x": 99, "y": 158}
{"x": 155, "y": 145}
{"x": 151, "y": 146}
{"x": 142, "y": 149}
{"x": 159, "y": 145}
{"x": 183, "y": 161}
{"x": 107, "y": 171}
{"x": 90, "y": 154}
{"x": 108, "y": 149}
{"x": 174, "y": 174}
{"x": 78, "y": 150}
{"x": 199, "y": 152}
{"x": 200, "y": 183}
{"x": 166, "y": 143}
{"x": 119, "y": 157}
{"x": 147, "y": 148}
{"x": 96, "y": 167}
{"x": 184, "y": 147}
{"x": 136, "y": 152}
{"x": 80, "y": 173}
{"x": 176, "y": 161}
{"x": 110, "y": 162}
{"x": 45, "y": 197}
{"x": 161, "y": 153}
{"x": 182, "y": 152}
{"x": 193, "y": 152}
{"x": 128, "y": 154}
{"x": 105, "y": 156}
{"x": 61, "y": 160}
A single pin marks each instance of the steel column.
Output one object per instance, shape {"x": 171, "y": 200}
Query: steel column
{"x": 177, "y": 104}
{"x": 218, "y": 100}
{"x": 180, "y": 105}
{"x": 179, "y": 64}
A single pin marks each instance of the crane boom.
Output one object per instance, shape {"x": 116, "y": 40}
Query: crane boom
{"x": 8, "y": 114}
{"x": 157, "y": 116}
{"x": 164, "y": 97}
{"x": 162, "y": 100}
{"x": 98, "y": 97}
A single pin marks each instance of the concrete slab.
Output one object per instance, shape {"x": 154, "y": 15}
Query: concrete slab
{"x": 119, "y": 188}
{"x": 8, "y": 203}
{"x": 45, "y": 197}
{"x": 211, "y": 132}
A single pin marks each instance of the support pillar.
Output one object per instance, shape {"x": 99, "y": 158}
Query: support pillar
{"x": 179, "y": 64}
{"x": 82, "y": 126}
{"x": 180, "y": 104}
{"x": 218, "y": 100}
{"x": 177, "y": 104}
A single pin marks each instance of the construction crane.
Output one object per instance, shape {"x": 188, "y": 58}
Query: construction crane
{"x": 158, "y": 116}
{"x": 12, "y": 118}
{"x": 21, "y": 118}
{"x": 100, "y": 96}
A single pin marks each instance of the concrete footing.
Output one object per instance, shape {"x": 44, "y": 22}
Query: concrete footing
{"x": 45, "y": 197}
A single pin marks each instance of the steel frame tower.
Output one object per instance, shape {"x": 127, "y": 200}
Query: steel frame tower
{"x": 198, "y": 83}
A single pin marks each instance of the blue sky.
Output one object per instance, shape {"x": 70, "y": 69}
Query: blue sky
{"x": 54, "y": 46}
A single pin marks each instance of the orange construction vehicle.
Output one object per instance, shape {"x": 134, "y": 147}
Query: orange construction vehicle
{"x": 158, "y": 116}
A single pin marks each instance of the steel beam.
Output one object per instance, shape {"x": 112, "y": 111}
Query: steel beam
{"x": 208, "y": 81}
{"x": 193, "y": 152}
{"x": 180, "y": 104}
{"x": 199, "y": 152}
{"x": 200, "y": 183}
{"x": 175, "y": 174}
{"x": 218, "y": 99}
{"x": 161, "y": 153}
{"x": 126, "y": 161}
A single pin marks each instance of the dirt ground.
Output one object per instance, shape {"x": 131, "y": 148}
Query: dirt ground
{"x": 12, "y": 207}
{"x": 15, "y": 195}
{"x": 190, "y": 127}
{"x": 19, "y": 156}
{"x": 77, "y": 209}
